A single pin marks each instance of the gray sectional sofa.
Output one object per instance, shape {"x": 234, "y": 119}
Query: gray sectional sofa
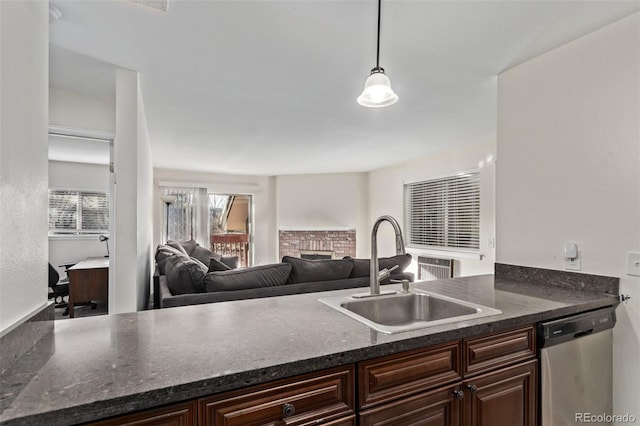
{"x": 188, "y": 274}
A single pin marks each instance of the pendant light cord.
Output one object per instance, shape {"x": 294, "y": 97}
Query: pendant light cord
{"x": 378, "y": 48}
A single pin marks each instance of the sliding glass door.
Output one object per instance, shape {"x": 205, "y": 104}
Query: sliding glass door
{"x": 230, "y": 226}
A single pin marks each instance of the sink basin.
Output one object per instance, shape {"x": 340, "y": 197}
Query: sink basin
{"x": 407, "y": 311}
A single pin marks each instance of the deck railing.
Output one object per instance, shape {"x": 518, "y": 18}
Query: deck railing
{"x": 232, "y": 245}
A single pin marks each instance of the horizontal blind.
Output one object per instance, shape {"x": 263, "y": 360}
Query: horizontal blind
{"x": 78, "y": 212}
{"x": 444, "y": 212}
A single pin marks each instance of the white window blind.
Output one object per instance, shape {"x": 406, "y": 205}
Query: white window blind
{"x": 444, "y": 212}
{"x": 78, "y": 212}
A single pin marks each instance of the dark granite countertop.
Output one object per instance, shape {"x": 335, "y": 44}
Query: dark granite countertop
{"x": 98, "y": 367}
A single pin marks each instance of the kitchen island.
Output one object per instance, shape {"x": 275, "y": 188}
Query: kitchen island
{"x": 99, "y": 367}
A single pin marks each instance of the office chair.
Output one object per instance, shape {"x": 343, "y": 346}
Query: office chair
{"x": 59, "y": 289}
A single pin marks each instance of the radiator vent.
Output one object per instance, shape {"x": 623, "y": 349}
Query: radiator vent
{"x": 433, "y": 268}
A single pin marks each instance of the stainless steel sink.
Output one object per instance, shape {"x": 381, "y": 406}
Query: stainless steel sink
{"x": 407, "y": 311}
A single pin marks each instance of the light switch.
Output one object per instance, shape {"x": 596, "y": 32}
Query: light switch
{"x": 633, "y": 263}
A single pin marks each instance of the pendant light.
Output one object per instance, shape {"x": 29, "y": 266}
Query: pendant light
{"x": 377, "y": 88}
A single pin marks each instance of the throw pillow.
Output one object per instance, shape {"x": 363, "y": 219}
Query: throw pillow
{"x": 189, "y": 246}
{"x": 202, "y": 266}
{"x": 361, "y": 266}
{"x": 216, "y": 265}
{"x": 230, "y": 261}
{"x": 162, "y": 253}
{"x": 178, "y": 246}
{"x": 247, "y": 278}
{"x": 204, "y": 255}
{"x": 184, "y": 275}
{"x": 303, "y": 270}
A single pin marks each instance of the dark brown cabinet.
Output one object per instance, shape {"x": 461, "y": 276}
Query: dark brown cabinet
{"x": 506, "y": 397}
{"x": 438, "y": 407}
{"x": 174, "y": 415}
{"x": 316, "y": 398}
{"x": 489, "y": 380}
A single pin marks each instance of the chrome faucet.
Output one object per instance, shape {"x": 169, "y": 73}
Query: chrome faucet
{"x": 376, "y": 276}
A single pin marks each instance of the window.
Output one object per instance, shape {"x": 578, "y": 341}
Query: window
{"x": 444, "y": 212}
{"x": 78, "y": 212}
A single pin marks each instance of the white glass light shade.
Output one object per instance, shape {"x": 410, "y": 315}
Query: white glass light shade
{"x": 377, "y": 91}
{"x": 168, "y": 199}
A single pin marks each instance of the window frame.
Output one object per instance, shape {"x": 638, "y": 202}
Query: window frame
{"x": 410, "y": 237}
{"x": 78, "y": 233}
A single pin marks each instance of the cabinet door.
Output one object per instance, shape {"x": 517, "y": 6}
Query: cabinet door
{"x": 439, "y": 407}
{"x": 505, "y": 397}
{"x": 174, "y": 415}
{"x": 316, "y": 398}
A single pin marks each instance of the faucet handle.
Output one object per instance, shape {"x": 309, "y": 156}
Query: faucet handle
{"x": 386, "y": 273}
{"x": 405, "y": 285}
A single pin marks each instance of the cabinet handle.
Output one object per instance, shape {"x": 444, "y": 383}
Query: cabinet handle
{"x": 288, "y": 410}
{"x": 458, "y": 394}
{"x": 472, "y": 388}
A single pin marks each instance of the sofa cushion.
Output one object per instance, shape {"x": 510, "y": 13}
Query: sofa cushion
{"x": 184, "y": 275}
{"x": 305, "y": 270}
{"x": 178, "y": 246}
{"x": 216, "y": 265}
{"x": 361, "y": 266}
{"x": 253, "y": 277}
{"x": 203, "y": 254}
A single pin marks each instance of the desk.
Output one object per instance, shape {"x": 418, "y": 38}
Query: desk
{"x": 88, "y": 280}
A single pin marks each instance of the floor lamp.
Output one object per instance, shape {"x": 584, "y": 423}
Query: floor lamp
{"x": 167, "y": 199}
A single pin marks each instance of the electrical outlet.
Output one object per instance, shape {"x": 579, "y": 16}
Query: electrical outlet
{"x": 633, "y": 263}
{"x": 574, "y": 264}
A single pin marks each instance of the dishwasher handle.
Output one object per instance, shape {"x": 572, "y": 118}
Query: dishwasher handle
{"x": 562, "y": 330}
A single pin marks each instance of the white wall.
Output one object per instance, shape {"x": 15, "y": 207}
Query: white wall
{"x": 70, "y": 249}
{"x": 80, "y": 111}
{"x": 145, "y": 205}
{"x": 569, "y": 170}
{"x": 386, "y": 198}
{"x": 324, "y": 201}
{"x": 24, "y": 57}
{"x": 262, "y": 188}
{"x": 129, "y": 278}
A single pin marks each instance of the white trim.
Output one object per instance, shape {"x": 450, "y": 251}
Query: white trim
{"x": 77, "y": 237}
{"x": 81, "y": 133}
{"x": 442, "y": 176}
{"x": 448, "y": 254}
{"x": 79, "y": 189}
{"x": 217, "y": 188}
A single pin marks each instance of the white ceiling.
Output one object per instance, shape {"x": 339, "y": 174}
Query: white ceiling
{"x": 270, "y": 87}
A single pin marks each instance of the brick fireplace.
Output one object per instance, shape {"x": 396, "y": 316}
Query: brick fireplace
{"x": 335, "y": 243}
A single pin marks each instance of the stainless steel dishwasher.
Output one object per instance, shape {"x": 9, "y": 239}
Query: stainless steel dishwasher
{"x": 576, "y": 368}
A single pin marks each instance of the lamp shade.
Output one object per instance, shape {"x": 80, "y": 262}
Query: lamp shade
{"x": 377, "y": 90}
{"x": 168, "y": 198}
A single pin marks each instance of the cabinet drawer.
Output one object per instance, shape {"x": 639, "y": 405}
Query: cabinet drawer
{"x": 173, "y": 415}
{"x": 313, "y": 398}
{"x": 386, "y": 378}
{"x": 485, "y": 353}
